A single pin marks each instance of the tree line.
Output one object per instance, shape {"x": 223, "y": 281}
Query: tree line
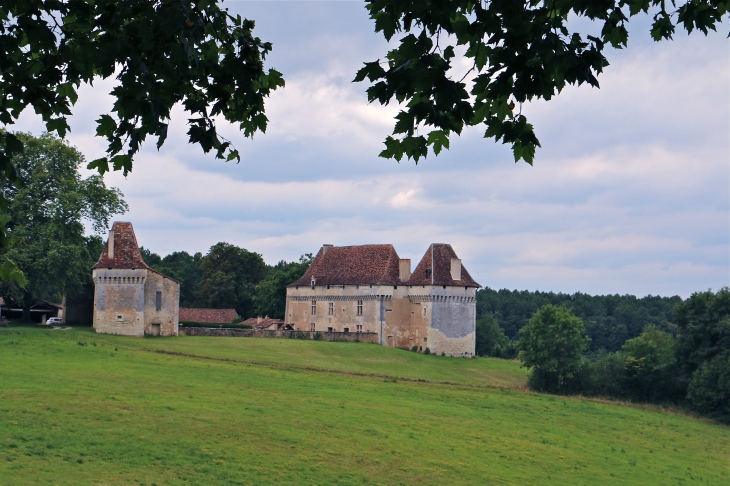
{"x": 685, "y": 363}
{"x": 610, "y": 320}
{"x": 230, "y": 277}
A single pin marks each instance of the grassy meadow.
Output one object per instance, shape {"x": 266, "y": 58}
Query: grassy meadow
{"x": 81, "y": 408}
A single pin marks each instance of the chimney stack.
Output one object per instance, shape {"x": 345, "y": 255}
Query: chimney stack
{"x": 404, "y": 269}
{"x": 455, "y": 269}
{"x": 110, "y": 245}
{"x": 326, "y": 247}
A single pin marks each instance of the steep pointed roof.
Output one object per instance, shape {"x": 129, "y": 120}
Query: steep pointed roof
{"x": 126, "y": 251}
{"x": 435, "y": 268}
{"x": 353, "y": 265}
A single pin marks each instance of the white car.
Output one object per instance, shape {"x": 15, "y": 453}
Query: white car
{"x": 54, "y": 320}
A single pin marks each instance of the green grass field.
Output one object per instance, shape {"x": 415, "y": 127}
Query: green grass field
{"x": 81, "y": 408}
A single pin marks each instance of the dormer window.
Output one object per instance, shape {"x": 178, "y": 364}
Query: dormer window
{"x": 428, "y": 273}
{"x": 314, "y": 281}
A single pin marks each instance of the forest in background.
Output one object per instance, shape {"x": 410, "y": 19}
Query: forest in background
{"x": 610, "y": 320}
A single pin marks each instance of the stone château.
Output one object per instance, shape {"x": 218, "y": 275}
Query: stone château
{"x": 369, "y": 288}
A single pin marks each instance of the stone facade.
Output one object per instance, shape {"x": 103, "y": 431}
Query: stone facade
{"x": 130, "y": 298}
{"x": 370, "y": 289}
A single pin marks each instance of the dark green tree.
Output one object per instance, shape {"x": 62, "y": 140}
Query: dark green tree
{"x": 48, "y": 207}
{"x": 183, "y": 267}
{"x": 491, "y": 340}
{"x": 650, "y": 367}
{"x": 551, "y": 345}
{"x": 229, "y": 275}
{"x": 517, "y": 52}
{"x": 703, "y": 351}
{"x": 270, "y": 296}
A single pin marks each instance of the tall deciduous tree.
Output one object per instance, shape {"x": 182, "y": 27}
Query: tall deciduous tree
{"x": 48, "y": 207}
{"x": 229, "y": 277}
{"x": 270, "y": 297}
{"x": 551, "y": 345}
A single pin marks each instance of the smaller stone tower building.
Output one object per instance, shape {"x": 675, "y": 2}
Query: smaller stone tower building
{"x": 130, "y": 298}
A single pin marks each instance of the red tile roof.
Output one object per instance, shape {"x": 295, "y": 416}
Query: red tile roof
{"x": 210, "y": 316}
{"x": 353, "y": 265}
{"x": 435, "y": 268}
{"x": 263, "y": 322}
{"x": 126, "y": 251}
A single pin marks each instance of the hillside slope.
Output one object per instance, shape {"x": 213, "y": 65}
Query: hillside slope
{"x": 80, "y": 408}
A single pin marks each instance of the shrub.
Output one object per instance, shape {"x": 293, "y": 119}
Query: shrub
{"x": 426, "y": 351}
{"x": 414, "y": 348}
{"x": 317, "y": 336}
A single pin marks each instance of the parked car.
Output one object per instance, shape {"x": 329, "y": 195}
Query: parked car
{"x": 54, "y": 320}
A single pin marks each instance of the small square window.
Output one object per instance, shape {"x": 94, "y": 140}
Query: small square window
{"x": 425, "y": 340}
{"x": 329, "y": 329}
{"x": 119, "y": 318}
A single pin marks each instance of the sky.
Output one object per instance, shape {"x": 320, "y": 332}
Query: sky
{"x": 629, "y": 194}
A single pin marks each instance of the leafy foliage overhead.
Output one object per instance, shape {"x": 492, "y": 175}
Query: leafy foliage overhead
{"x": 162, "y": 53}
{"x": 518, "y": 51}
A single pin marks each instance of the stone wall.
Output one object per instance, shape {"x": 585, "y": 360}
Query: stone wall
{"x": 165, "y": 319}
{"x": 119, "y": 301}
{"x": 364, "y": 337}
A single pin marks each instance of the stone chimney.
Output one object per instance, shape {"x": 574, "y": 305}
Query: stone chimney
{"x": 258, "y": 320}
{"x": 404, "y": 269}
{"x": 326, "y": 247}
{"x": 110, "y": 245}
{"x": 455, "y": 269}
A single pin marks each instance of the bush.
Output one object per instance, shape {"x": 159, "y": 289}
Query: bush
{"x": 603, "y": 377}
{"x": 426, "y": 351}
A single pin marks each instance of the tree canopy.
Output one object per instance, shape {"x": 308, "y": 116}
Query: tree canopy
{"x": 551, "y": 345}
{"x": 518, "y": 51}
{"x": 47, "y": 212}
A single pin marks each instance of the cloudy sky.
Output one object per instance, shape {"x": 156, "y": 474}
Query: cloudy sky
{"x": 628, "y": 194}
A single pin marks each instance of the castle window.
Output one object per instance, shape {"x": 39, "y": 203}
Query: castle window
{"x": 158, "y": 301}
{"x": 119, "y": 318}
{"x": 329, "y": 329}
{"x": 347, "y": 329}
{"x": 313, "y": 282}
{"x": 314, "y": 307}
{"x": 359, "y": 327}
{"x": 428, "y": 273}
{"x": 425, "y": 340}
{"x": 331, "y": 309}
{"x": 311, "y": 327}
{"x": 359, "y": 307}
